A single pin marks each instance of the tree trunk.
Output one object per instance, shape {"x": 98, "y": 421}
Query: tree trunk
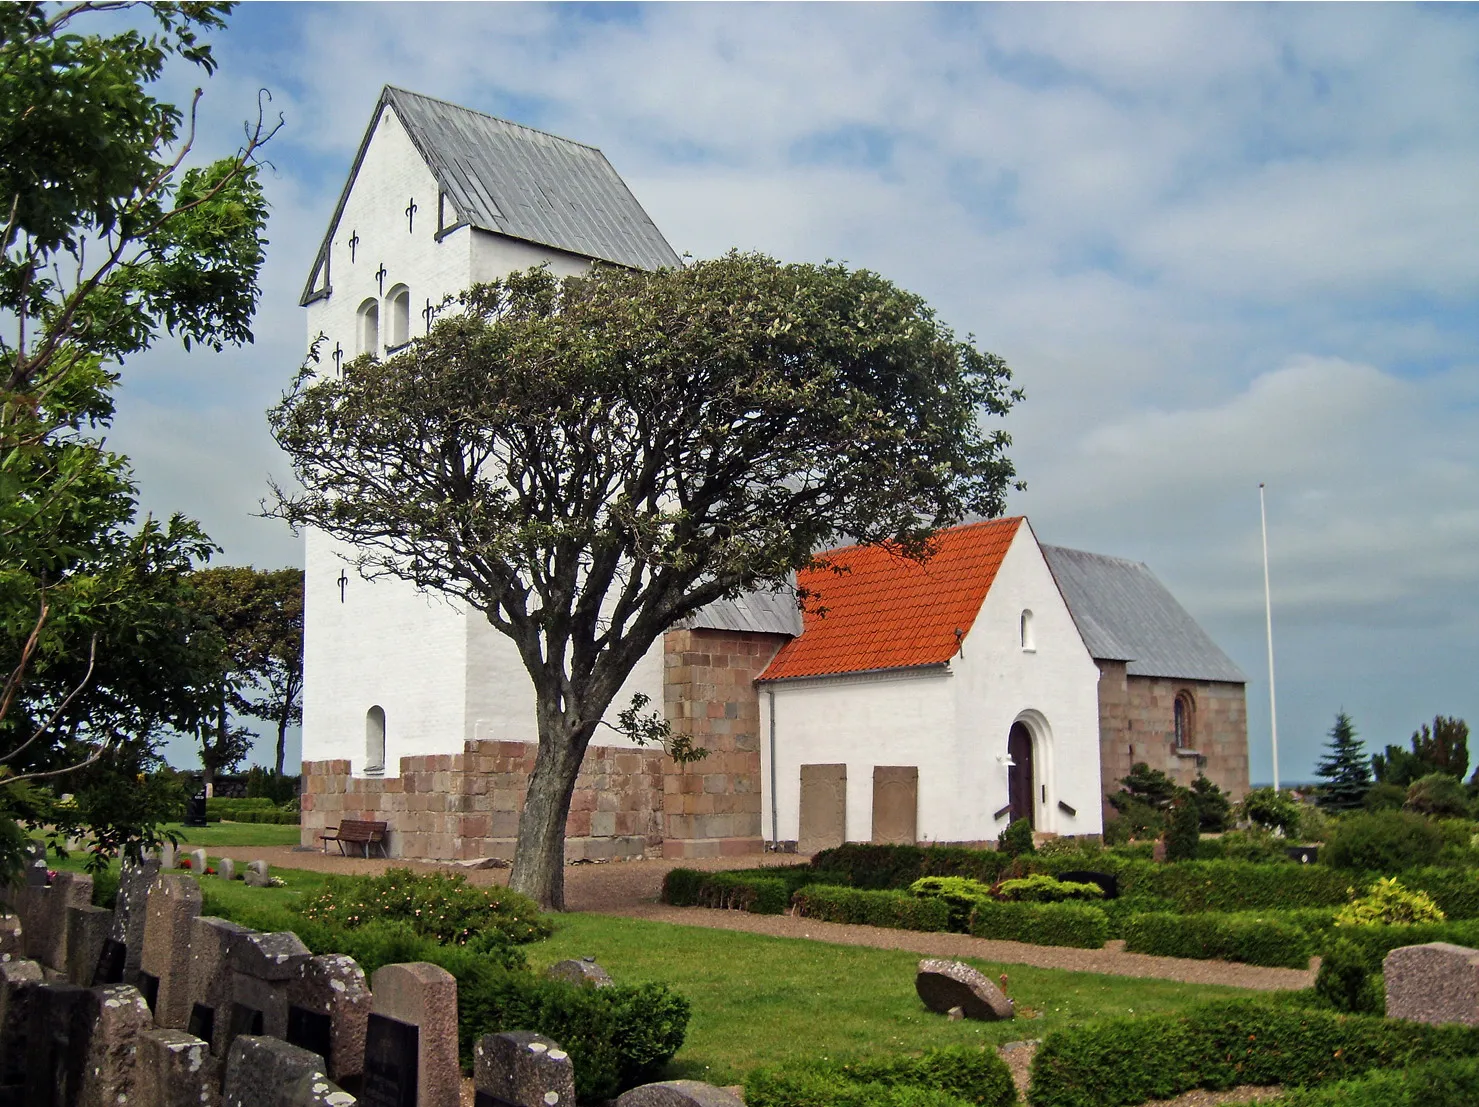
{"x": 539, "y": 858}
{"x": 282, "y": 742}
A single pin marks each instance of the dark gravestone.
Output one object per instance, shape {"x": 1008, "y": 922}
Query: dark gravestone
{"x": 392, "y": 1054}
{"x": 202, "y": 1021}
{"x": 110, "y": 963}
{"x": 946, "y": 984}
{"x": 245, "y": 1020}
{"x": 1305, "y": 855}
{"x": 56, "y": 1045}
{"x": 195, "y": 810}
{"x": 311, "y": 1031}
{"x": 149, "y": 986}
{"x": 35, "y": 865}
{"x": 1107, "y": 882}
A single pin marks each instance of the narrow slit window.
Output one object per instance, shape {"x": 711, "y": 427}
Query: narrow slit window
{"x": 1024, "y": 627}
{"x": 400, "y": 317}
{"x": 375, "y": 740}
{"x": 1183, "y": 721}
{"x": 369, "y": 327}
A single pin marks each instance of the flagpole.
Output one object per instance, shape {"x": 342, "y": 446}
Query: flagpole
{"x": 1268, "y": 614}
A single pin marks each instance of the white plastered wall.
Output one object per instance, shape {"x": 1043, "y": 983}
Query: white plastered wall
{"x": 953, "y": 722}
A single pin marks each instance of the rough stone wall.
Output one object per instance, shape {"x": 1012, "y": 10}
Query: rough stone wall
{"x": 464, "y": 806}
{"x": 711, "y": 807}
{"x": 1137, "y": 723}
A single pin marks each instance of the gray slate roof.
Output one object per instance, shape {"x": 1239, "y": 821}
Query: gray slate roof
{"x": 1125, "y": 614}
{"x": 762, "y": 612}
{"x": 516, "y": 181}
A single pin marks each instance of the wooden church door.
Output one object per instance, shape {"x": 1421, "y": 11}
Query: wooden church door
{"x": 1020, "y": 780}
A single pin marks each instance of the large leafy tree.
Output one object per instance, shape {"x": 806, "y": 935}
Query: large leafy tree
{"x": 1441, "y": 748}
{"x": 586, "y": 461}
{"x": 107, "y": 241}
{"x": 1344, "y": 768}
{"x": 259, "y": 613}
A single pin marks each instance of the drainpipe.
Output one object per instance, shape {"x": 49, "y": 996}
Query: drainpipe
{"x": 775, "y": 823}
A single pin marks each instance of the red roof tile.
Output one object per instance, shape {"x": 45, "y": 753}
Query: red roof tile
{"x": 888, "y": 612}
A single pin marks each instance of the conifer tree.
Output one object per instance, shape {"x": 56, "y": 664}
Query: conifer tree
{"x": 1344, "y": 769}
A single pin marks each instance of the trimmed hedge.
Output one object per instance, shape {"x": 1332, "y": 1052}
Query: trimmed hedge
{"x": 832, "y": 903}
{"x": 760, "y": 891}
{"x": 1250, "y": 939}
{"x": 1455, "y": 890}
{"x": 877, "y": 868}
{"x": 1434, "y": 1084}
{"x": 951, "y": 1075}
{"x": 1375, "y": 942}
{"x": 1221, "y": 1045}
{"x": 1042, "y": 924}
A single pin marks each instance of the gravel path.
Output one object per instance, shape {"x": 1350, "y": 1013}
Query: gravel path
{"x": 630, "y": 889}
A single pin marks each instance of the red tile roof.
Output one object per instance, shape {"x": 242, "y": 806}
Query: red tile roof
{"x": 888, "y": 612}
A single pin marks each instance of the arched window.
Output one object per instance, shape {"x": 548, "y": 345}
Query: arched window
{"x": 369, "y": 327}
{"x": 375, "y": 740}
{"x": 1025, "y": 627}
{"x": 400, "y": 317}
{"x": 1185, "y": 714}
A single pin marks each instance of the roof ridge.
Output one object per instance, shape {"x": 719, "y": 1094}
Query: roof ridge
{"x": 489, "y": 115}
{"x": 1102, "y": 557}
{"x": 885, "y": 545}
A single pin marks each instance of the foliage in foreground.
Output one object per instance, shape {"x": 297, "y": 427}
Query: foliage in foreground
{"x": 1382, "y": 842}
{"x": 1388, "y": 903}
{"x": 944, "y": 1077}
{"x": 437, "y": 905}
{"x": 1426, "y": 1084}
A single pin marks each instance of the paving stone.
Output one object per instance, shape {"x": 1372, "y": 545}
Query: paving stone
{"x": 945, "y": 984}
{"x": 524, "y": 1069}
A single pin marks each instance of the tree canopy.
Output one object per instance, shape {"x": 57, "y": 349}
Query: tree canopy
{"x": 1343, "y": 769}
{"x": 107, "y": 240}
{"x": 1441, "y": 748}
{"x": 588, "y": 460}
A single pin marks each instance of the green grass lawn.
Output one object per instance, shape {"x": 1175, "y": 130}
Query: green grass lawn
{"x": 758, "y": 999}
{"x": 226, "y": 835}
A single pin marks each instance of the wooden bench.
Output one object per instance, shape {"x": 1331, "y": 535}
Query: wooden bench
{"x": 358, "y": 832}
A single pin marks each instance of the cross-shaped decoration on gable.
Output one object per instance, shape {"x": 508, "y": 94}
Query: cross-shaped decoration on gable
{"x": 426, "y": 313}
{"x": 338, "y": 358}
{"x": 411, "y": 216}
{"x": 380, "y": 277}
{"x": 342, "y": 582}
{"x": 353, "y": 243}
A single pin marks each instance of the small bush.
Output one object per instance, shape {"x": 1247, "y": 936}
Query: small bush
{"x": 1382, "y": 842}
{"x": 1438, "y": 795}
{"x": 1183, "y": 828}
{"x": 1137, "y": 819}
{"x": 1271, "y": 810}
{"x": 1384, "y": 797}
{"x": 1253, "y": 844}
{"x": 1249, "y": 939}
{"x": 1428, "y": 1084}
{"x": 1043, "y": 924}
{"x": 952, "y": 1076}
{"x": 1016, "y": 839}
{"x": 960, "y": 894}
{"x": 1387, "y": 903}
{"x": 1375, "y": 942}
{"x": 739, "y": 891}
{"x": 898, "y": 910}
{"x": 1042, "y": 888}
{"x": 443, "y": 906}
{"x": 1454, "y": 890}
{"x": 680, "y": 887}
{"x": 1345, "y": 980}
{"x": 105, "y": 888}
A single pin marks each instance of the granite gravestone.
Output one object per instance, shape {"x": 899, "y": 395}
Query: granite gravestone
{"x": 328, "y": 1011}
{"x": 164, "y": 968}
{"x": 57, "y": 1031}
{"x": 519, "y": 1068}
{"x": 12, "y": 939}
{"x": 130, "y": 912}
{"x": 115, "y": 1015}
{"x": 210, "y": 979}
{"x": 263, "y": 967}
{"x": 946, "y": 984}
{"x": 582, "y": 971}
{"x": 17, "y": 981}
{"x": 1437, "y": 982}
{"x": 256, "y": 875}
{"x": 198, "y": 862}
{"x": 266, "y": 1072}
{"x": 678, "y": 1093}
{"x": 392, "y": 1064}
{"x": 226, "y": 868}
{"x": 87, "y": 930}
{"x": 424, "y": 996}
{"x": 176, "y": 1069}
{"x": 195, "y": 810}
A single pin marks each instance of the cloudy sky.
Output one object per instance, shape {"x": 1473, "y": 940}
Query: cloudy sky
{"x": 1218, "y": 245}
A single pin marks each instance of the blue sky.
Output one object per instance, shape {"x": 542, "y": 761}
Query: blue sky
{"x": 1217, "y": 244}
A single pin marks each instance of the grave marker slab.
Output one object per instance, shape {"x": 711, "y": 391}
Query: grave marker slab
{"x": 87, "y": 930}
{"x": 198, "y": 862}
{"x": 176, "y": 1069}
{"x": 167, "y": 856}
{"x": 256, "y": 875}
{"x": 57, "y": 1032}
{"x": 173, "y": 906}
{"x": 266, "y": 1072}
{"x": 12, "y": 940}
{"x": 210, "y": 978}
{"x": 678, "y": 1093}
{"x": 17, "y": 979}
{"x": 522, "y": 1069}
{"x": 425, "y": 996}
{"x": 130, "y": 912}
{"x": 946, "y": 984}
{"x": 392, "y": 1068}
{"x": 116, "y": 1016}
{"x": 43, "y": 914}
{"x": 226, "y": 869}
{"x": 35, "y": 864}
{"x": 582, "y": 971}
{"x": 1437, "y": 983}
{"x": 329, "y": 1004}
{"x": 263, "y": 966}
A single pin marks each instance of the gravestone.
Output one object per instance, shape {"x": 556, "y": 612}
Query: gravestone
{"x": 43, "y": 914}
{"x": 17, "y": 981}
{"x": 946, "y": 984}
{"x": 424, "y": 996}
{"x": 115, "y": 1015}
{"x": 210, "y": 979}
{"x": 392, "y": 1072}
{"x": 582, "y": 971}
{"x": 263, "y": 967}
{"x": 1106, "y": 881}
{"x": 519, "y": 1068}
{"x": 266, "y": 1072}
{"x": 226, "y": 869}
{"x": 12, "y": 939}
{"x": 256, "y": 875}
{"x": 328, "y": 1012}
{"x": 57, "y": 1031}
{"x": 87, "y": 930}
{"x": 195, "y": 810}
{"x": 198, "y": 861}
{"x": 164, "y": 969}
{"x": 678, "y": 1093}
{"x": 130, "y": 910}
{"x": 167, "y": 856}
{"x": 36, "y": 864}
{"x": 1437, "y": 983}
{"x": 176, "y": 1069}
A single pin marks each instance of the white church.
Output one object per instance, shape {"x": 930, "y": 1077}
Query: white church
{"x": 1003, "y": 679}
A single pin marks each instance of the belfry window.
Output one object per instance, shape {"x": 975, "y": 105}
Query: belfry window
{"x": 1184, "y": 714}
{"x": 1024, "y": 626}
{"x": 369, "y": 327}
{"x": 375, "y": 740}
{"x": 400, "y": 317}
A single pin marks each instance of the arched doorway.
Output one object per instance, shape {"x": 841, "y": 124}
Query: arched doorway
{"x": 1020, "y": 778}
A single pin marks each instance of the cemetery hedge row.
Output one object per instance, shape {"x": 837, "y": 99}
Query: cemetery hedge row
{"x": 899, "y": 910}
{"x": 1249, "y": 938}
{"x": 1221, "y": 1045}
{"x": 1044, "y": 924}
{"x": 1433, "y": 1084}
{"x": 944, "y": 1077}
{"x": 1375, "y": 942}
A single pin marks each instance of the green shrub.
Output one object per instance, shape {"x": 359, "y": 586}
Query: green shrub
{"x": 105, "y": 888}
{"x": 1438, "y": 795}
{"x": 1221, "y": 1045}
{"x": 1083, "y": 850}
{"x": 1183, "y": 828}
{"x": 1043, "y": 924}
{"x": 960, "y": 894}
{"x": 1016, "y": 839}
{"x": 1428, "y": 1084}
{"x": 1042, "y": 888}
{"x": 439, "y": 905}
{"x": 1388, "y": 903}
{"x": 1253, "y": 844}
{"x": 1271, "y": 810}
{"x": 740, "y": 891}
{"x": 952, "y": 1076}
{"x": 277, "y": 788}
{"x": 1249, "y": 939}
{"x": 1345, "y": 980}
{"x": 863, "y": 865}
{"x": 1213, "y": 806}
{"x": 1454, "y": 890}
{"x": 1384, "y": 797}
{"x": 1375, "y": 942}
{"x": 898, "y": 910}
{"x": 680, "y": 887}
{"x": 1245, "y": 886}
{"x": 1382, "y": 842}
